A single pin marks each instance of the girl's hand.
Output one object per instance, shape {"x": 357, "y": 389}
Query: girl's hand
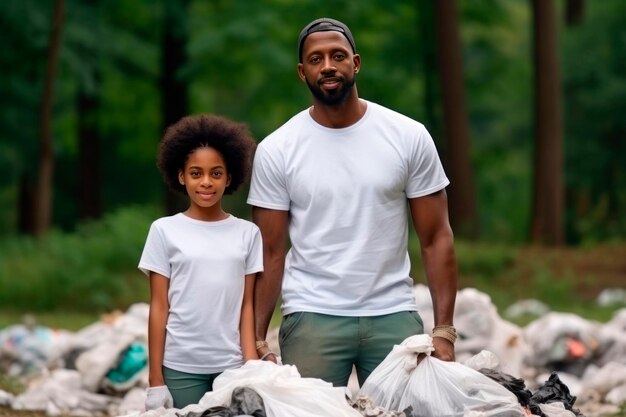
{"x": 158, "y": 397}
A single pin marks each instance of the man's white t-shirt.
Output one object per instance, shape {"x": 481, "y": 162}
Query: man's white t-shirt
{"x": 206, "y": 263}
{"x": 346, "y": 191}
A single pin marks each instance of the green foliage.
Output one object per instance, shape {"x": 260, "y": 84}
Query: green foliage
{"x": 92, "y": 270}
{"x": 594, "y": 80}
{"x": 474, "y": 259}
{"x": 242, "y": 64}
{"x": 66, "y": 319}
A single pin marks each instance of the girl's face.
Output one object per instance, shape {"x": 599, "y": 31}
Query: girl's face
{"x": 205, "y": 177}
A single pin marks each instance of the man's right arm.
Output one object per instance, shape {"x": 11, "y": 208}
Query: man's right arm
{"x": 274, "y": 230}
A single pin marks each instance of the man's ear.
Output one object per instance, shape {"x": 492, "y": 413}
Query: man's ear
{"x": 356, "y": 59}
{"x": 301, "y": 71}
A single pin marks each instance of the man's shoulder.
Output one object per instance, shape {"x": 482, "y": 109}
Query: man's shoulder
{"x": 286, "y": 130}
{"x": 393, "y": 115}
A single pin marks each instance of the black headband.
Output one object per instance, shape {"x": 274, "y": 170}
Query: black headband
{"x": 324, "y": 24}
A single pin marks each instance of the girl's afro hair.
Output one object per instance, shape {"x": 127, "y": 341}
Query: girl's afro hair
{"x": 232, "y": 140}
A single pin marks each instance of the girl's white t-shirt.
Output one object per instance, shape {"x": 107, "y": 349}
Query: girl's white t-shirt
{"x": 206, "y": 263}
{"x": 346, "y": 191}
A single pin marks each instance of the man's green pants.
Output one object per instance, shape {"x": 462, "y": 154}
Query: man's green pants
{"x": 326, "y": 347}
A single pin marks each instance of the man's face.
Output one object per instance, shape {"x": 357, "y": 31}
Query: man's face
{"x": 328, "y": 66}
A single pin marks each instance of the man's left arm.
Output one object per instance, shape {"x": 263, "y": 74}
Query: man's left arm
{"x": 430, "y": 219}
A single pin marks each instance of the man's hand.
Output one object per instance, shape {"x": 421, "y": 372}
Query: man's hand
{"x": 159, "y": 397}
{"x": 444, "y": 349}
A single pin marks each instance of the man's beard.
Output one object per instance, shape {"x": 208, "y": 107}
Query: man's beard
{"x": 334, "y": 97}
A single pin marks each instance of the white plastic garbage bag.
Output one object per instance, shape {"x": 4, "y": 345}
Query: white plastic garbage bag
{"x": 555, "y": 409}
{"x": 284, "y": 392}
{"x": 62, "y": 393}
{"x": 434, "y": 388}
{"x": 483, "y": 359}
{"x": 385, "y": 385}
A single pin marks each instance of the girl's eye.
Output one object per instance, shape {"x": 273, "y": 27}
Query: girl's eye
{"x": 194, "y": 174}
{"x": 217, "y": 174}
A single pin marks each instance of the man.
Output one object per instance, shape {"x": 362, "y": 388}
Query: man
{"x": 337, "y": 180}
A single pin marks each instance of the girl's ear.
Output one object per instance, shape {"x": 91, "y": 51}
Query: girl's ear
{"x": 181, "y": 177}
{"x": 228, "y": 181}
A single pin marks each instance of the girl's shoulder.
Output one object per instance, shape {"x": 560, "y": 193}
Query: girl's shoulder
{"x": 167, "y": 220}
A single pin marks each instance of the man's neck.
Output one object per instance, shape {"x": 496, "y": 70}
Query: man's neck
{"x": 341, "y": 115}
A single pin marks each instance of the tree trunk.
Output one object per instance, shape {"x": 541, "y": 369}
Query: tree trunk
{"x": 26, "y": 204}
{"x": 43, "y": 197}
{"x": 429, "y": 62}
{"x": 574, "y": 12}
{"x": 174, "y": 89}
{"x": 461, "y": 191}
{"x": 548, "y": 198}
{"x": 89, "y": 156}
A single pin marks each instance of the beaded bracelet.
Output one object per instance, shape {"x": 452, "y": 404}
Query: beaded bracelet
{"x": 445, "y": 332}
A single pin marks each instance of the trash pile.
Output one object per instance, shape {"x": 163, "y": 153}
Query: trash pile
{"x": 558, "y": 365}
{"x": 100, "y": 370}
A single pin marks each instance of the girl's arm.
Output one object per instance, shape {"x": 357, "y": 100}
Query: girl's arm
{"x": 159, "y": 311}
{"x": 246, "y": 324}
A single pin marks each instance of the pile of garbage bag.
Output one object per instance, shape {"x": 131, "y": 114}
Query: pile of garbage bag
{"x": 559, "y": 365}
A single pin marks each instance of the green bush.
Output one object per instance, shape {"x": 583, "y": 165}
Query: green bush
{"x": 93, "y": 269}
{"x": 474, "y": 259}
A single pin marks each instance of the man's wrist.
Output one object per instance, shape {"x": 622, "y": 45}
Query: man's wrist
{"x": 263, "y": 350}
{"x": 445, "y": 331}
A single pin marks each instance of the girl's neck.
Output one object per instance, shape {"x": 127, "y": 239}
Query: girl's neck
{"x": 212, "y": 214}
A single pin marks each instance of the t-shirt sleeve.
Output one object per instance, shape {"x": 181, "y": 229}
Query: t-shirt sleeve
{"x": 268, "y": 186}
{"x": 154, "y": 257}
{"x": 426, "y": 174}
{"x": 254, "y": 260}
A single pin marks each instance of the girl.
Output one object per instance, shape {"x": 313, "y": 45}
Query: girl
{"x": 202, "y": 264}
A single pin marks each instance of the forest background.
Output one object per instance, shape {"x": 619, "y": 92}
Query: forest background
{"x": 523, "y": 99}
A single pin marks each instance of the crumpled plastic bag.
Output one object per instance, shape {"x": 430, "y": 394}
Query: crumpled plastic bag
{"x": 556, "y": 409}
{"x": 385, "y": 385}
{"x": 284, "y": 392}
{"x": 435, "y": 388}
{"x": 62, "y": 393}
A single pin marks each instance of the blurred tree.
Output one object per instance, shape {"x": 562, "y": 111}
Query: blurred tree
{"x": 498, "y": 82}
{"x": 174, "y": 85}
{"x": 429, "y": 64}
{"x": 574, "y": 12}
{"x": 595, "y": 102}
{"x": 89, "y": 155}
{"x": 89, "y": 198}
{"x": 456, "y": 128}
{"x": 43, "y": 200}
{"x": 548, "y": 197}
{"x": 26, "y": 27}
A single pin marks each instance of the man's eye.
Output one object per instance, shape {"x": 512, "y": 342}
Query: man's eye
{"x": 314, "y": 60}
{"x": 340, "y": 57}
